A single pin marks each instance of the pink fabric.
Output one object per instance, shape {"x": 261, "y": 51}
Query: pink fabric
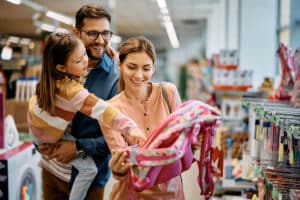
{"x": 168, "y": 150}
{"x": 283, "y": 92}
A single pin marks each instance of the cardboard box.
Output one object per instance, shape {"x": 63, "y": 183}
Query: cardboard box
{"x": 18, "y": 109}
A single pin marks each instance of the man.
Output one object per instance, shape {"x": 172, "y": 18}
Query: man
{"x": 93, "y": 28}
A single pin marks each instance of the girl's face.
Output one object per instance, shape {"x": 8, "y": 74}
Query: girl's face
{"x": 137, "y": 69}
{"x": 77, "y": 62}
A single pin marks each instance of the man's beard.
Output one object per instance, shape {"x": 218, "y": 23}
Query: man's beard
{"x": 92, "y": 56}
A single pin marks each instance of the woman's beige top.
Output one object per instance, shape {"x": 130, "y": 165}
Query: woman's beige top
{"x": 148, "y": 115}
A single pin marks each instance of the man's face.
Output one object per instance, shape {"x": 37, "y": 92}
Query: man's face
{"x": 95, "y": 46}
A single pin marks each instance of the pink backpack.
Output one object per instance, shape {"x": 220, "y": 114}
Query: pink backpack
{"x": 168, "y": 150}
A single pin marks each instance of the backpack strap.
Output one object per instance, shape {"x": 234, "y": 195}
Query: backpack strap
{"x": 165, "y": 95}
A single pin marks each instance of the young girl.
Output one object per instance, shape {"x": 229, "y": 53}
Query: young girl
{"x": 60, "y": 95}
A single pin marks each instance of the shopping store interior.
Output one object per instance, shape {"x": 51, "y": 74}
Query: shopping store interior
{"x": 240, "y": 56}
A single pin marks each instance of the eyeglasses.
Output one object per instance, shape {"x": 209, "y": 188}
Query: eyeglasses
{"x": 93, "y": 35}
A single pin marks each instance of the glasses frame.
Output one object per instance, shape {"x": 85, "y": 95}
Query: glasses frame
{"x": 98, "y": 33}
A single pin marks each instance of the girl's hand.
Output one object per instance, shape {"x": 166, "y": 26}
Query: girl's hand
{"x": 136, "y": 136}
{"x": 118, "y": 163}
{"x": 111, "y": 53}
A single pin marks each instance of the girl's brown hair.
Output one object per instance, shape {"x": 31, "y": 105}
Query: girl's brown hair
{"x": 58, "y": 48}
{"x": 135, "y": 45}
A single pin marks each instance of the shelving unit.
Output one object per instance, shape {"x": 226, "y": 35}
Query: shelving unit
{"x": 274, "y": 129}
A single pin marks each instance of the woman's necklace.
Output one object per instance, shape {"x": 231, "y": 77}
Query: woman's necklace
{"x": 141, "y": 100}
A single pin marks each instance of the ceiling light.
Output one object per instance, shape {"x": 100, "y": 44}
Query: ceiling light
{"x": 47, "y": 27}
{"x": 60, "y": 17}
{"x": 17, "y": 2}
{"x": 164, "y": 11}
{"x": 161, "y": 4}
{"x": 62, "y": 30}
{"x": 171, "y": 34}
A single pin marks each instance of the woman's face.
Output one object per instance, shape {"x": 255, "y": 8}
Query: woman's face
{"x": 137, "y": 69}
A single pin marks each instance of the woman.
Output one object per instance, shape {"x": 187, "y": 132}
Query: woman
{"x": 143, "y": 101}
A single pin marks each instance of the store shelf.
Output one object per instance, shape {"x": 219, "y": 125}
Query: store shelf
{"x": 233, "y": 185}
{"x": 232, "y": 87}
{"x": 278, "y": 158}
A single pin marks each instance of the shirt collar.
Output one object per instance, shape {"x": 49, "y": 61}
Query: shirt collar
{"x": 106, "y": 63}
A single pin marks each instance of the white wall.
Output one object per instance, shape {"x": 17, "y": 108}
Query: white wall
{"x": 258, "y": 38}
{"x": 216, "y": 30}
{"x": 232, "y": 30}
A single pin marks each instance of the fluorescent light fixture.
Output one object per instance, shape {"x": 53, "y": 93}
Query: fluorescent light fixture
{"x": 161, "y": 4}
{"x": 164, "y": 11}
{"x": 60, "y": 17}
{"x": 17, "y": 2}
{"x": 171, "y": 34}
{"x": 115, "y": 39}
{"x": 167, "y": 22}
{"x": 62, "y": 30}
{"x": 47, "y": 27}
{"x": 166, "y": 18}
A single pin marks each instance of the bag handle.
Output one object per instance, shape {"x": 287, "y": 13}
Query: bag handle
{"x": 165, "y": 95}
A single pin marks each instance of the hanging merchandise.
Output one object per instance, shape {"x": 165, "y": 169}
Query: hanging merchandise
{"x": 296, "y": 92}
{"x": 287, "y": 78}
{"x": 276, "y": 137}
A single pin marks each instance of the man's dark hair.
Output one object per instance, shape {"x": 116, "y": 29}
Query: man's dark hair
{"x": 90, "y": 11}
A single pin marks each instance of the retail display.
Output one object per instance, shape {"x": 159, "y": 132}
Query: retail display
{"x": 25, "y": 88}
{"x": 20, "y": 175}
{"x": 227, "y": 76}
{"x": 275, "y": 128}
{"x": 287, "y": 78}
{"x": 296, "y": 91}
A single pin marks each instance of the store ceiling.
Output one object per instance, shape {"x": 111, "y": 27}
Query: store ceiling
{"x": 130, "y": 17}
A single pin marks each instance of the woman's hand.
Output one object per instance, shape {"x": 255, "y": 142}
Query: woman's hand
{"x": 118, "y": 163}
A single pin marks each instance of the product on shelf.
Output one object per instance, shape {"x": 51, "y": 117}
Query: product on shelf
{"x": 227, "y": 76}
{"x": 296, "y": 92}
{"x": 274, "y": 133}
{"x": 267, "y": 85}
{"x": 287, "y": 78}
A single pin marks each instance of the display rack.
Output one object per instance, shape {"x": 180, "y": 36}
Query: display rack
{"x": 274, "y": 129}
